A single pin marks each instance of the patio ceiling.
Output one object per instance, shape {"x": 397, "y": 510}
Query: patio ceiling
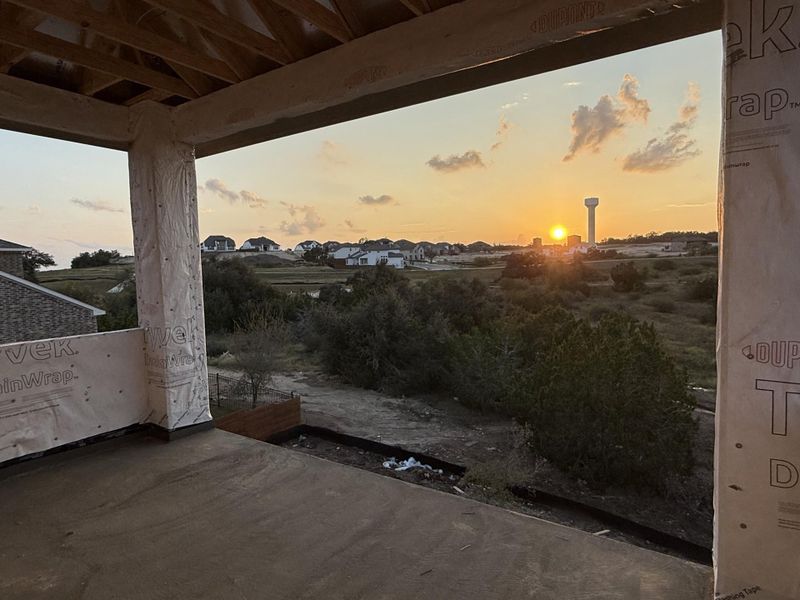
{"x": 238, "y": 72}
{"x": 171, "y": 51}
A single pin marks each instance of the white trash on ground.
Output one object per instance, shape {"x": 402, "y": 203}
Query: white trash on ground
{"x": 409, "y": 463}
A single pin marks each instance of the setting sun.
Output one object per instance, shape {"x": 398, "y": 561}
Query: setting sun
{"x": 557, "y": 232}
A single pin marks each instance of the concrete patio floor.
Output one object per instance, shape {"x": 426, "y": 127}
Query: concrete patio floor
{"x": 215, "y": 515}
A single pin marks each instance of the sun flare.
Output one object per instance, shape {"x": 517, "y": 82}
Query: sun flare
{"x": 557, "y": 232}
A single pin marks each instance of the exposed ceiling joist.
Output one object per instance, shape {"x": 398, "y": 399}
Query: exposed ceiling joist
{"x": 151, "y": 94}
{"x": 350, "y": 16}
{"x": 116, "y": 29}
{"x": 466, "y": 46}
{"x": 210, "y": 19}
{"x": 418, "y": 7}
{"x": 319, "y": 16}
{"x": 230, "y": 53}
{"x": 14, "y": 15}
{"x": 283, "y": 25}
{"x": 58, "y": 48}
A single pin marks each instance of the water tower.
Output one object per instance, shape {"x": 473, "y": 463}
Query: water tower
{"x": 590, "y": 204}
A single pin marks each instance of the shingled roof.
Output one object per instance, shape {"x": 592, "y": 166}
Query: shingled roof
{"x": 6, "y": 246}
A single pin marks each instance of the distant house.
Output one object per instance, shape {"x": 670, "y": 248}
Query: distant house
{"x": 441, "y": 248}
{"x": 479, "y": 247}
{"x": 376, "y": 256}
{"x": 368, "y": 255}
{"x": 304, "y": 247}
{"x": 218, "y": 243}
{"x": 31, "y": 311}
{"x": 412, "y": 252}
{"x": 342, "y": 253}
{"x": 261, "y": 244}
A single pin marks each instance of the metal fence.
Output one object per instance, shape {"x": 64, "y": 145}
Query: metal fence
{"x": 234, "y": 394}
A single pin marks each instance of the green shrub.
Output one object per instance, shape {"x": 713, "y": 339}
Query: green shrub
{"x": 664, "y": 264}
{"x": 663, "y": 305}
{"x": 524, "y": 265}
{"x": 627, "y": 278}
{"x": 98, "y": 258}
{"x": 611, "y": 407}
{"x": 216, "y": 345}
{"x": 702, "y": 290}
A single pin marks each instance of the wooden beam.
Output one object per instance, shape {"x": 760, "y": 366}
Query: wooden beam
{"x": 351, "y": 17}
{"x": 231, "y": 54}
{"x": 43, "y": 110}
{"x": 458, "y": 48}
{"x": 418, "y": 7}
{"x": 319, "y": 16}
{"x": 117, "y": 29}
{"x": 58, "y": 48}
{"x": 283, "y": 26}
{"x": 96, "y": 81}
{"x": 24, "y": 19}
{"x": 207, "y": 17}
{"x": 201, "y": 84}
{"x": 151, "y": 94}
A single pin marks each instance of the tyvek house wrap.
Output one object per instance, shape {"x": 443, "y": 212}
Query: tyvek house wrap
{"x": 757, "y": 493}
{"x": 58, "y": 391}
{"x": 168, "y": 272}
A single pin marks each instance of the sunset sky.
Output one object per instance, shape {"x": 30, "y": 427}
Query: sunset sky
{"x": 503, "y": 164}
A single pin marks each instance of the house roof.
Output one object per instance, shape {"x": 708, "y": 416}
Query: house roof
{"x": 218, "y": 238}
{"x": 309, "y": 243}
{"x": 6, "y": 246}
{"x": 375, "y": 247}
{"x": 262, "y": 241}
{"x": 97, "y": 312}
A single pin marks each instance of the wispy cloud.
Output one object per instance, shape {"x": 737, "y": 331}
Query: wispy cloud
{"x": 471, "y": 159}
{"x": 332, "y": 154}
{"x": 381, "y": 200}
{"x": 101, "y": 206}
{"x": 572, "y": 83}
{"x": 503, "y": 130}
{"x": 94, "y": 245}
{"x": 252, "y": 199}
{"x": 218, "y": 187}
{"x": 691, "y": 204}
{"x": 675, "y": 146}
{"x": 352, "y": 227}
{"x": 34, "y": 209}
{"x": 592, "y": 127}
{"x": 305, "y": 219}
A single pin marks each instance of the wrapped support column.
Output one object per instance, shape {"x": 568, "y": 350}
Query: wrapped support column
{"x": 168, "y": 273}
{"x": 757, "y": 491}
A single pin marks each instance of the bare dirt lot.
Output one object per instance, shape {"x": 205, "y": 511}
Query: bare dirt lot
{"x": 492, "y": 449}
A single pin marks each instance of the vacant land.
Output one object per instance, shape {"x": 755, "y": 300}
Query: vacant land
{"x": 687, "y": 326}
{"x": 310, "y": 278}
{"x": 92, "y": 280}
